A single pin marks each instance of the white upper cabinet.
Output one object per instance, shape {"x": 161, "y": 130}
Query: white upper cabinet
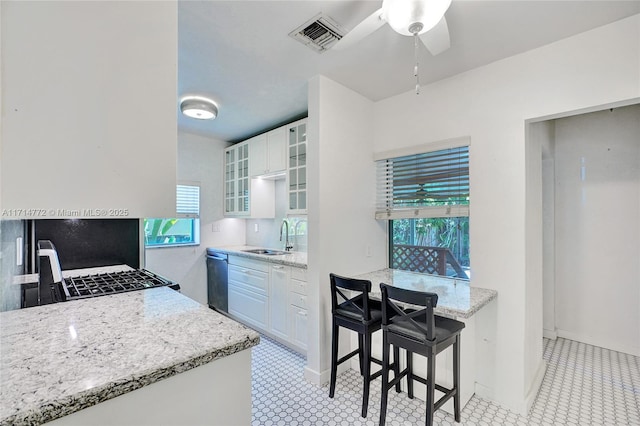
{"x": 244, "y": 196}
{"x": 236, "y": 180}
{"x": 89, "y": 117}
{"x": 297, "y": 166}
{"x": 268, "y": 152}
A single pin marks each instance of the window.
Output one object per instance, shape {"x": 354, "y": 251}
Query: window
{"x": 181, "y": 230}
{"x": 425, "y": 197}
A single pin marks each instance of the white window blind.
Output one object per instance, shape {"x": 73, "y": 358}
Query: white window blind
{"x": 188, "y": 201}
{"x": 431, "y": 184}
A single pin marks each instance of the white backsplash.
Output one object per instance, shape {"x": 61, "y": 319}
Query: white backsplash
{"x": 266, "y": 232}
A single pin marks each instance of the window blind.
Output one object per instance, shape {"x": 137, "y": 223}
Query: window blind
{"x": 431, "y": 184}
{"x": 188, "y": 201}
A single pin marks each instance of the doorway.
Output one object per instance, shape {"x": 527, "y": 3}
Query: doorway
{"x": 591, "y": 228}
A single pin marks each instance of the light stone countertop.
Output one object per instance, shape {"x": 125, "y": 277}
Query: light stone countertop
{"x": 456, "y": 298}
{"x": 60, "y": 358}
{"x": 296, "y": 259}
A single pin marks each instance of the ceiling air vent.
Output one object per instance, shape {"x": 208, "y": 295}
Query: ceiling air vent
{"x": 319, "y": 33}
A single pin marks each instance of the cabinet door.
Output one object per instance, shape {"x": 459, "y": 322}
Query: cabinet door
{"x": 244, "y": 181}
{"x": 248, "y": 306}
{"x": 298, "y": 333}
{"x": 279, "y": 300}
{"x": 277, "y": 150}
{"x": 230, "y": 181}
{"x": 258, "y": 159}
{"x": 297, "y": 167}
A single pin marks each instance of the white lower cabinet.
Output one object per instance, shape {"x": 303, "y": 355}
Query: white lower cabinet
{"x": 298, "y": 308}
{"x": 298, "y": 326}
{"x": 271, "y": 298}
{"x": 248, "y": 291}
{"x": 279, "y": 300}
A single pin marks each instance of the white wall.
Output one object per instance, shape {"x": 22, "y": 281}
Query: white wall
{"x": 545, "y": 132}
{"x": 597, "y": 206}
{"x": 341, "y": 205}
{"x": 200, "y": 159}
{"x": 89, "y": 107}
{"x": 491, "y": 105}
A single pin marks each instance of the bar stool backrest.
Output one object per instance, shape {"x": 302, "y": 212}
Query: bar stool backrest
{"x": 363, "y": 287}
{"x": 392, "y": 313}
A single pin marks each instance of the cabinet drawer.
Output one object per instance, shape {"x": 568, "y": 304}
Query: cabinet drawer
{"x": 299, "y": 287}
{"x": 298, "y": 300}
{"x": 299, "y": 274}
{"x": 248, "y": 307}
{"x": 250, "y": 279}
{"x": 249, "y": 263}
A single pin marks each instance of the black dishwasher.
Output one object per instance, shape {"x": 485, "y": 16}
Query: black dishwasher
{"x": 217, "y": 280}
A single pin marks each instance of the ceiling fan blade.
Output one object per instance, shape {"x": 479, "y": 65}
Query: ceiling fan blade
{"x": 436, "y": 39}
{"x": 360, "y": 31}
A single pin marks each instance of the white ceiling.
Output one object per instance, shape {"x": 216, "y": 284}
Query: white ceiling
{"x": 239, "y": 52}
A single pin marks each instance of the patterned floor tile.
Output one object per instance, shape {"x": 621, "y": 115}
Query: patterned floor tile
{"x": 583, "y": 385}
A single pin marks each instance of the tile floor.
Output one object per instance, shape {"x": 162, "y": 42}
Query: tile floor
{"x": 583, "y": 385}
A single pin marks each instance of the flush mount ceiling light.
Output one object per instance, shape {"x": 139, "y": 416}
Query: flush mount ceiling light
{"x": 200, "y": 108}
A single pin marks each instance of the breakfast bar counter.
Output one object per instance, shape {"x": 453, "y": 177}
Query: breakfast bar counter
{"x": 459, "y": 300}
{"x": 456, "y": 297}
{"x": 133, "y": 353}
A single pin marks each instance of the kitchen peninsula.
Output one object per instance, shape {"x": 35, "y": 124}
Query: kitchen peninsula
{"x": 144, "y": 357}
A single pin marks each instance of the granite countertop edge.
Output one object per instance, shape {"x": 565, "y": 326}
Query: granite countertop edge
{"x": 295, "y": 259}
{"x": 479, "y": 297}
{"x": 481, "y": 301}
{"x": 67, "y": 405}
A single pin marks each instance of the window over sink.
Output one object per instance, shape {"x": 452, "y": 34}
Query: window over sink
{"x": 181, "y": 230}
{"x": 425, "y": 197}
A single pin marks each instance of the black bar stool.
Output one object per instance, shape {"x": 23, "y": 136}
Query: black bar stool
{"x": 363, "y": 316}
{"x": 424, "y": 333}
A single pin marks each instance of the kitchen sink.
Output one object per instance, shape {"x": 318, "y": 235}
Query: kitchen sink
{"x": 267, "y": 252}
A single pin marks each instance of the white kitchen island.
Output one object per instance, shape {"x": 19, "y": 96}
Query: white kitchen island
{"x": 458, "y": 300}
{"x": 145, "y": 357}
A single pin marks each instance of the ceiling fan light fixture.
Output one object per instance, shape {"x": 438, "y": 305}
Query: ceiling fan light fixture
{"x": 199, "y": 108}
{"x": 410, "y": 17}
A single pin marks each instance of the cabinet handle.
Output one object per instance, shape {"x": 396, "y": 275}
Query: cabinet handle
{"x": 278, "y": 267}
{"x": 245, "y": 271}
{"x": 303, "y": 313}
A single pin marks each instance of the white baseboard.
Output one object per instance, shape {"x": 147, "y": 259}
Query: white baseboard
{"x": 549, "y": 334}
{"x": 611, "y": 345}
{"x": 530, "y": 398}
{"x": 321, "y": 379}
{"x": 484, "y": 392}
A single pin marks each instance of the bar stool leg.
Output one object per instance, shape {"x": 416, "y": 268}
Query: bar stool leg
{"x": 396, "y": 366}
{"x": 456, "y": 378}
{"x": 366, "y": 372}
{"x": 334, "y": 359}
{"x": 431, "y": 369}
{"x": 385, "y": 380}
{"x": 410, "y": 374}
{"x": 360, "y": 353}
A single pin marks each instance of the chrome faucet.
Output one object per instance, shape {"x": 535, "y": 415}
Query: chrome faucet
{"x": 287, "y": 244}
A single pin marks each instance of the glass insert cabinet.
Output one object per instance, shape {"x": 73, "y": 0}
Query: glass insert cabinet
{"x": 236, "y": 180}
{"x": 297, "y": 167}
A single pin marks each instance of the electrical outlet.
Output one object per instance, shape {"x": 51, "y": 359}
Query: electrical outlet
{"x": 255, "y": 227}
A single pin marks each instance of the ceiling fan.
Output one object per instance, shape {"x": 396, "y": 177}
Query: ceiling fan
{"x": 421, "y": 19}
{"x": 418, "y": 18}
